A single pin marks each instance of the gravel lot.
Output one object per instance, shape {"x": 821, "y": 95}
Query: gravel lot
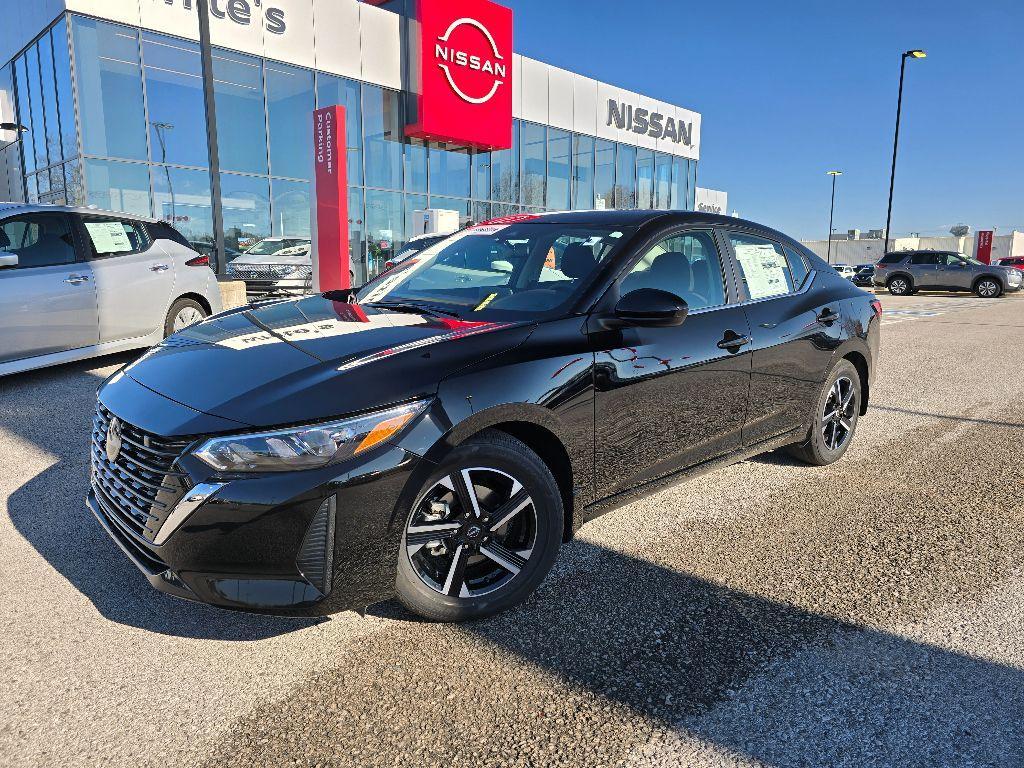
{"x": 769, "y": 614}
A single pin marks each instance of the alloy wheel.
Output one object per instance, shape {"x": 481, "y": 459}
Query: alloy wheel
{"x": 837, "y": 416}
{"x": 898, "y": 286}
{"x": 186, "y": 316}
{"x": 472, "y": 533}
{"x": 987, "y": 289}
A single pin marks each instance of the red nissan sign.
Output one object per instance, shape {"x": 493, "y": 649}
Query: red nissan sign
{"x": 331, "y": 267}
{"x": 465, "y": 73}
{"x": 985, "y": 245}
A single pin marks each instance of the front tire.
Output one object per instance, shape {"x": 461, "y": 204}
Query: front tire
{"x": 899, "y": 286}
{"x": 987, "y": 288}
{"x": 835, "y": 418}
{"x": 483, "y": 533}
{"x": 182, "y": 314}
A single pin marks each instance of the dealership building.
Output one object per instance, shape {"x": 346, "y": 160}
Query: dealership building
{"x": 110, "y": 96}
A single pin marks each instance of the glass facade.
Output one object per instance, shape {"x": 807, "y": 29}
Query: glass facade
{"x": 116, "y": 119}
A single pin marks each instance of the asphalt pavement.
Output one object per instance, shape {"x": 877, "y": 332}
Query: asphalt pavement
{"x": 769, "y": 614}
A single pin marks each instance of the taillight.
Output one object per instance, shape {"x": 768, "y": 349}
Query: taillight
{"x": 876, "y": 307}
{"x": 880, "y": 265}
{"x": 198, "y": 261}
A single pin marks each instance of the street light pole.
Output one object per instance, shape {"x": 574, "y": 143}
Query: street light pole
{"x": 831, "y": 210}
{"x": 206, "y": 58}
{"x": 912, "y": 54}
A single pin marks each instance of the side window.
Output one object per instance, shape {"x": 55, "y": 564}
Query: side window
{"x": 164, "y": 231}
{"x": 891, "y": 258}
{"x": 687, "y": 265}
{"x": 928, "y": 258}
{"x": 763, "y": 266}
{"x": 115, "y": 237}
{"x": 798, "y": 268}
{"x": 38, "y": 240}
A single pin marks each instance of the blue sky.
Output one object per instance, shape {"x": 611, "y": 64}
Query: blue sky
{"x": 789, "y": 90}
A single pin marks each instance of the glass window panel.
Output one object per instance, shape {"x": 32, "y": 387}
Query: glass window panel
{"x": 35, "y": 95}
{"x": 289, "y": 204}
{"x": 109, "y": 81}
{"x": 453, "y": 204}
{"x": 481, "y": 175}
{"x": 174, "y": 95}
{"x": 246, "y": 201}
{"x": 582, "y": 172}
{"x": 691, "y": 186}
{"x": 43, "y": 186}
{"x": 449, "y": 171}
{"x": 117, "y": 186}
{"x": 413, "y": 203}
{"x": 505, "y": 170}
{"x": 182, "y": 197}
{"x": 31, "y": 191}
{"x": 678, "y": 189}
{"x": 74, "y": 185}
{"x": 504, "y": 209}
{"x": 686, "y": 265}
{"x": 383, "y": 136}
{"x": 644, "y": 178}
{"x": 340, "y": 90}
{"x": 662, "y": 180}
{"x": 290, "y": 104}
{"x": 65, "y": 93}
{"x": 559, "y": 167}
{"x": 625, "y": 176}
{"x": 241, "y": 126}
{"x": 25, "y": 113}
{"x": 533, "y": 151}
{"x": 49, "y": 90}
{"x": 764, "y": 270}
{"x": 415, "y": 159}
{"x": 357, "y": 235}
{"x": 57, "y": 192}
{"x": 385, "y": 224}
{"x": 604, "y": 174}
{"x": 481, "y": 212}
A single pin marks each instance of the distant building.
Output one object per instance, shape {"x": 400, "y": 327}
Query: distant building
{"x": 867, "y": 250}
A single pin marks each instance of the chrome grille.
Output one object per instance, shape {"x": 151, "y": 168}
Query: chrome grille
{"x": 140, "y": 488}
{"x": 296, "y": 272}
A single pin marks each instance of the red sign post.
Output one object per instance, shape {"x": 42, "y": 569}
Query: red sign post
{"x": 331, "y": 255}
{"x": 465, "y": 74}
{"x": 985, "y": 245}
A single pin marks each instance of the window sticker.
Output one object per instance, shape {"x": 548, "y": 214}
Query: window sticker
{"x": 108, "y": 237}
{"x": 485, "y": 302}
{"x": 764, "y": 269}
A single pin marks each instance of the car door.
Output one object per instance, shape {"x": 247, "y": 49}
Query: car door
{"x": 957, "y": 273}
{"x": 134, "y": 278}
{"x": 795, "y": 325}
{"x": 923, "y": 268}
{"x": 669, "y": 398}
{"x": 47, "y": 294}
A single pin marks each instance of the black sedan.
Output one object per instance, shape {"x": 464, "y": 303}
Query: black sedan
{"x": 439, "y": 433}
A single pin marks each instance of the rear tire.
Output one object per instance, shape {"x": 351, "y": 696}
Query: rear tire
{"x": 836, "y": 412}
{"x": 182, "y": 314}
{"x": 987, "y": 288}
{"x": 899, "y": 286}
{"x": 469, "y": 556}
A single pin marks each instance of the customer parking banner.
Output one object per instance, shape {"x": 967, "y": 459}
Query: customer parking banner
{"x": 330, "y": 210}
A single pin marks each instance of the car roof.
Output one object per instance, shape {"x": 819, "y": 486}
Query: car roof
{"x": 10, "y": 208}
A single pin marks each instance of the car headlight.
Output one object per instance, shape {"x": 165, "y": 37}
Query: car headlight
{"x": 309, "y": 447}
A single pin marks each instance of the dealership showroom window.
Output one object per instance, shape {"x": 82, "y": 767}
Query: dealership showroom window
{"x": 139, "y": 145}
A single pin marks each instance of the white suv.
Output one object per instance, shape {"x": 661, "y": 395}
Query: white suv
{"x": 78, "y": 282}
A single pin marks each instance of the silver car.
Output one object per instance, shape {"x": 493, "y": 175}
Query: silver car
{"x": 78, "y": 282}
{"x": 907, "y": 272}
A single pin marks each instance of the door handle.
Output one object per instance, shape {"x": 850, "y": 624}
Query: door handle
{"x": 76, "y": 279}
{"x": 733, "y": 341}
{"x": 827, "y": 316}
{"x": 159, "y": 268}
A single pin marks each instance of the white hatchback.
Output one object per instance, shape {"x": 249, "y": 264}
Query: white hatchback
{"x": 78, "y": 282}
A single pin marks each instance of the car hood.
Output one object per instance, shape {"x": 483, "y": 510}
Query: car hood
{"x": 312, "y": 358}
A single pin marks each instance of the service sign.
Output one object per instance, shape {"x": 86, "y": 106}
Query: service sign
{"x": 465, "y": 74}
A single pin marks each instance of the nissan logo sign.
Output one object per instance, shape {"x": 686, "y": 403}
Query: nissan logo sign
{"x": 449, "y": 57}
{"x": 644, "y": 121}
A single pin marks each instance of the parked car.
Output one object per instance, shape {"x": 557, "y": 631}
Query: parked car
{"x": 440, "y": 432}
{"x": 416, "y": 245}
{"x": 274, "y": 266}
{"x": 845, "y": 270}
{"x": 863, "y": 276}
{"x": 907, "y": 272}
{"x": 79, "y": 282}
{"x": 1014, "y": 262}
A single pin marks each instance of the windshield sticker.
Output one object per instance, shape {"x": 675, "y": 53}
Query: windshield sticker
{"x": 486, "y": 229}
{"x": 485, "y": 302}
{"x": 108, "y": 236}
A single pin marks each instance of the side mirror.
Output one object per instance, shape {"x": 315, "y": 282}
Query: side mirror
{"x": 8, "y": 259}
{"x": 651, "y": 308}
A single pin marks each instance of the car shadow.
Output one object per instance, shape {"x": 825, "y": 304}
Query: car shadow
{"x": 52, "y": 409}
{"x": 948, "y": 417}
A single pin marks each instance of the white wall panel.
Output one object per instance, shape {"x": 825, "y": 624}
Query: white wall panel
{"x": 337, "y": 37}
{"x": 172, "y": 19}
{"x": 295, "y": 45}
{"x": 606, "y": 93}
{"x": 560, "y": 98}
{"x": 585, "y": 109}
{"x": 535, "y": 91}
{"x": 124, "y": 11}
{"x": 381, "y": 46}
{"x": 517, "y": 85}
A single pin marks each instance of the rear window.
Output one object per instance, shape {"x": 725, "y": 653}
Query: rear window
{"x": 161, "y": 230}
{"x": 892, "y": 258}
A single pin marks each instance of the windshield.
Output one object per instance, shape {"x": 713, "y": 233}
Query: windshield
{"x": 267, "y": 247}
{"x": 493, "y": 272}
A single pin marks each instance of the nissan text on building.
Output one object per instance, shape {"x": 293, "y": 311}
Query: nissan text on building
{"x": 438, "y": 113}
